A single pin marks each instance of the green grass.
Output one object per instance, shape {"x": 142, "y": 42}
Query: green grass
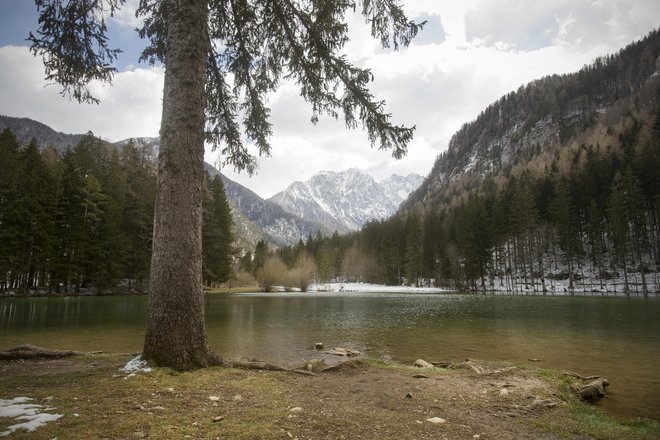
{"x": 580, "y": 418}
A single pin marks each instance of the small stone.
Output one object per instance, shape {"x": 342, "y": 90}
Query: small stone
{"x": 534, "y": 360}
{"x": 214, "y": 398}
{"x": 296, "y": 409}
{"x": 504, "y": 392}
{"x": 238, "y": 398}
{"x": 476, "y": 436}
{"x": 421, "y": 363}
{"x": 409, "y": 396}
{"x": 420, "y": 376}
{"x": 289, "y": 434}
{"x": 436, "y": 420}
{"x": 318, "y": 346}
{"x": 218, "y": 419}
{"x": 158, "y": 408}
{"x": 76, "y": 415}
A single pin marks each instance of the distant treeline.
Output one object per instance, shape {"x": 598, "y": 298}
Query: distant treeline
{"x": 588, "y": 216}
{"x": 84, "y": 219}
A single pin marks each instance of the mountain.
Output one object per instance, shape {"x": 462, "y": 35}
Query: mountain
{"x": 553, "y": 188}
{"x": 399, "y": 187}
{"x": 149, "y": 145}
{"x": 542, "y": 117}
{"x": 25, "y": 129}
{"x": 346, "y": 200}
{"x": 266, "y": 219}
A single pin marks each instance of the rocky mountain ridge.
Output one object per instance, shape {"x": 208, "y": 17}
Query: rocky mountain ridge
{"x": 346, "y": 200}
{"x": 542, "y": 117}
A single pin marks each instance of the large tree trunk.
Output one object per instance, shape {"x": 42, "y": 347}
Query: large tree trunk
{"x": 176, "y": 334}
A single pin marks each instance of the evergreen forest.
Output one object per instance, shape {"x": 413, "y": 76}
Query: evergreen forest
{"x": 81, "y": 222}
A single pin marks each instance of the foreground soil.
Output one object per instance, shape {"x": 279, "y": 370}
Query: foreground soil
{"x": 361, "y": 399}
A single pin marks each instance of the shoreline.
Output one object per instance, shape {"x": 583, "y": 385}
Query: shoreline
{"x": 349, "y": 288}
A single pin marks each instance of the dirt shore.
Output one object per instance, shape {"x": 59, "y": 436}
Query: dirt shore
{"x": 362, "y": 399}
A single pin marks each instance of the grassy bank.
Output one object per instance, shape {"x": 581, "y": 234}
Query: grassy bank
{"x": 363, "y": 399}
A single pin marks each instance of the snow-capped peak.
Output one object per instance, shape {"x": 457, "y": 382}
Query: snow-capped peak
{"x": 346, "y": 200}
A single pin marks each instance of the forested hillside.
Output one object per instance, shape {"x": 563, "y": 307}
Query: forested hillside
{"x": 555, "y": 187}
{"x": 81, "y": 221}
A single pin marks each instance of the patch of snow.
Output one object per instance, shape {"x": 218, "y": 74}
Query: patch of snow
{"x": 366, "y": 287}
{"x": 136, "y": 365}
{"x": 30, "y": 413}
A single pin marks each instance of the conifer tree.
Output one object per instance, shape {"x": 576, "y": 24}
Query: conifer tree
{"x": 10, "y": 222}
{"x": 566, "y": 225}
{"x": 413, "y": 248}
{"x": 209, "y": 48}
{"x": 33, "y": 209}
{"x": 217, "y": 235}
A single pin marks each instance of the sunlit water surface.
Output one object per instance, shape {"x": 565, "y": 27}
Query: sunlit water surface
{"x": 618, "y": 338}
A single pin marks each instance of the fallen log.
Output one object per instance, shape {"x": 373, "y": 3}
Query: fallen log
{"x": 28, "y": 351}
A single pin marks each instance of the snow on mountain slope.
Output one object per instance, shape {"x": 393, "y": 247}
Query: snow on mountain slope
{"x": 400, "y": 187}
{"x": 346, "y": 200}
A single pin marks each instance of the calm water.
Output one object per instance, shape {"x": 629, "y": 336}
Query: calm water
{"x": 615, "y": 337}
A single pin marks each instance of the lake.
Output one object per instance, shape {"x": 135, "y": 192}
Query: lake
{"x": 618, "y": 338}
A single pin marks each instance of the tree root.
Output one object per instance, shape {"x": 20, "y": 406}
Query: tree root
{"x": 28, "y": 351}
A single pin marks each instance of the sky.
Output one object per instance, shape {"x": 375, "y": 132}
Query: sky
{"x": 470, "y": 53}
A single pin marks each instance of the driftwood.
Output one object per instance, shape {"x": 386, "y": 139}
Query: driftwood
{"x": 591, "y": 391}
{"x": 28, "y": 351}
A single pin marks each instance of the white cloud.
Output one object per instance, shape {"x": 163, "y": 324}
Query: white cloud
{"x": 130, "y": 107}
{"x": 475, "y": 51}
{"x": 125, "y": 15}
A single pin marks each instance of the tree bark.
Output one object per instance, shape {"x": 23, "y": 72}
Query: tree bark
{"x": 176, "y": 333}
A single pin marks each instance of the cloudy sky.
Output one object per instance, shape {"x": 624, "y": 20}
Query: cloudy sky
{"x": 470, "y": 53}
